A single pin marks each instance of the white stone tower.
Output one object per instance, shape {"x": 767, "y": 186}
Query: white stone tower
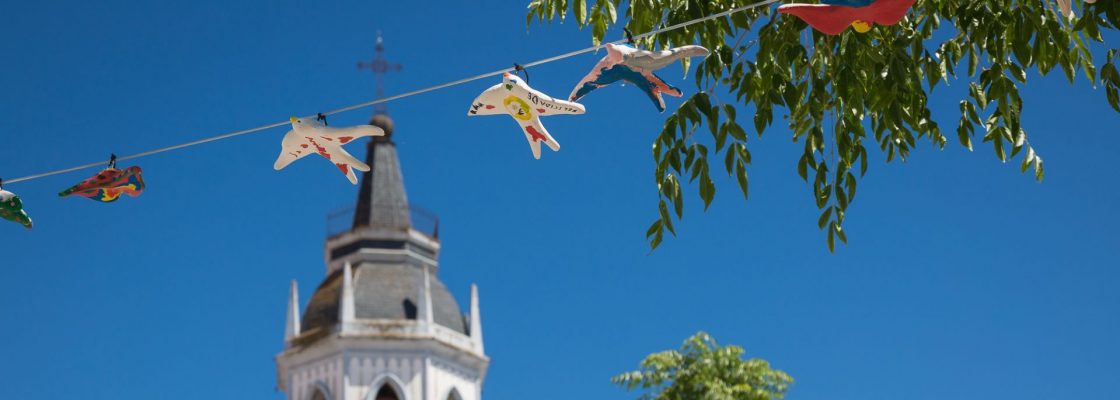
{"x": 381, "y": 325}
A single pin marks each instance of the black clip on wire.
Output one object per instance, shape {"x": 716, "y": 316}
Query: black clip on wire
{"x": 112, "y": 160}
{"x": 322, "y": 118}
{"x": 518, "y": 67}
{"x": 629, "y": 37}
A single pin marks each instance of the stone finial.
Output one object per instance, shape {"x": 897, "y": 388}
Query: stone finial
{"x": 291, "y": 330}
{"x": 476, "y": 319}
{"x": 346, "y": 300}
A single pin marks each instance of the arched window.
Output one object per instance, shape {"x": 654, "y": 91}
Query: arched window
{"x": 386, "y": 393}
{"x": 320, "y": 392}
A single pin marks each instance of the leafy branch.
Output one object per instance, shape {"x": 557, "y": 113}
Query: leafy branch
{"x": 841, "y": 94}
{"x": 702, "y": 369}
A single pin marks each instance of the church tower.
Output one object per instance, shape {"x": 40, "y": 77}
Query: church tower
{"x": 381, "y": 325}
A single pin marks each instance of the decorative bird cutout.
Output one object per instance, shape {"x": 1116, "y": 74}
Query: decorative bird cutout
{"x": 311, "y": 137}
{"x": 832, "y": 17}
{"x": 1067, "y": 6}
{"x": 108, "y": 185}
{"x": 526, "y": 105}
{"x": 636, "y": 66}
{"x": 11, "y": 209}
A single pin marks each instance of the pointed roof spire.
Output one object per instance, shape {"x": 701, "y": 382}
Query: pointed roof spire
{"x": 291, "y": 330}
{"x": 382, "y": 201}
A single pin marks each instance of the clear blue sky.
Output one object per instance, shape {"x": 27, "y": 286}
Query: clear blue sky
{"x": 963, "y": 279}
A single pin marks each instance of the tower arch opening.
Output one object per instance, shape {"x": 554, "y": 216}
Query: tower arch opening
{"x": 454, "y": 395}
{"x": 386, "y": 393}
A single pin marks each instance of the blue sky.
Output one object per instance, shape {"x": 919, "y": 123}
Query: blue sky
{"x": 963, "y": 279}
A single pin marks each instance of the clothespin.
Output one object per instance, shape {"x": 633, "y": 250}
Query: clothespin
{"x": 518, "y": 68}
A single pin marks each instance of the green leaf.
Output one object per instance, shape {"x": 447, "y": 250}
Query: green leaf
{"x": 823, "y": 220}
{"x": 666, "y": 221}
{"x": 580, "y": 9}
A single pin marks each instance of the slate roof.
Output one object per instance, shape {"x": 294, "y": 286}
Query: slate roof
{"x": 383, "y": 292}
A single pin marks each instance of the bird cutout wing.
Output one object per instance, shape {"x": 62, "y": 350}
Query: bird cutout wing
{"x": 11, "y": 209}
{"x": 655, "y": 60}
{"x": 594, "y": 79}
{"x": 347, "y": 163}
{"x": 309, "y": 136}
{"x": 292, "y": 148}
{"x": 525, "y": 105}
{"x": 835, "y": 19}
{"x": 636, "y": 66}
{"x": 489, "y": 102}
{"x": 108, "y": 185}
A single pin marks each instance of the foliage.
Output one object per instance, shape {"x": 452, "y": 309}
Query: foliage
{"x": 841, "y": 94}
{"x": 702, "y": 369}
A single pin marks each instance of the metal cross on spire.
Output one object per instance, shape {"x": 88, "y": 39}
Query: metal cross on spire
{"x": 380, "y": 67}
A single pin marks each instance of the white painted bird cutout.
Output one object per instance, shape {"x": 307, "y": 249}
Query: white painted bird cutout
{"x": 309, "y": 136}
{"x": 526, "y": 105}
{"x": 1067, "y": 6}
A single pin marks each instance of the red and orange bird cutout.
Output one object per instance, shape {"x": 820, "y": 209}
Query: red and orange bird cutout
{"x": 833, "y": 17}
{"x": 108, "y": 185}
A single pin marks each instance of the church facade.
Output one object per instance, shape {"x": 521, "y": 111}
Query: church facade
{"x": 381, "y": 325}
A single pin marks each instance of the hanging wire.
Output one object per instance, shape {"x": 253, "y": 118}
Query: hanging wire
{"x": 402, "y": 95}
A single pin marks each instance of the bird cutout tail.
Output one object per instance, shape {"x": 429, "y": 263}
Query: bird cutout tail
{"x": 654, "y": 87}
{"x": 11, "y": 209}
{"x": 346, "y": 163}
{"x": 535, "y": 133}
{"x": 349, "y": 172}
{"x": 660, "y": 85}
{"x": 1067, "y": 7}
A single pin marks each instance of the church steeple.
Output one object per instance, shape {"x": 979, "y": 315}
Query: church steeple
{"x": 381, "y": 324}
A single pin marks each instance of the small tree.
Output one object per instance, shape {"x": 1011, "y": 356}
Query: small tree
{"x": 702, "y": 369}
{"x": 842, "y": 94}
